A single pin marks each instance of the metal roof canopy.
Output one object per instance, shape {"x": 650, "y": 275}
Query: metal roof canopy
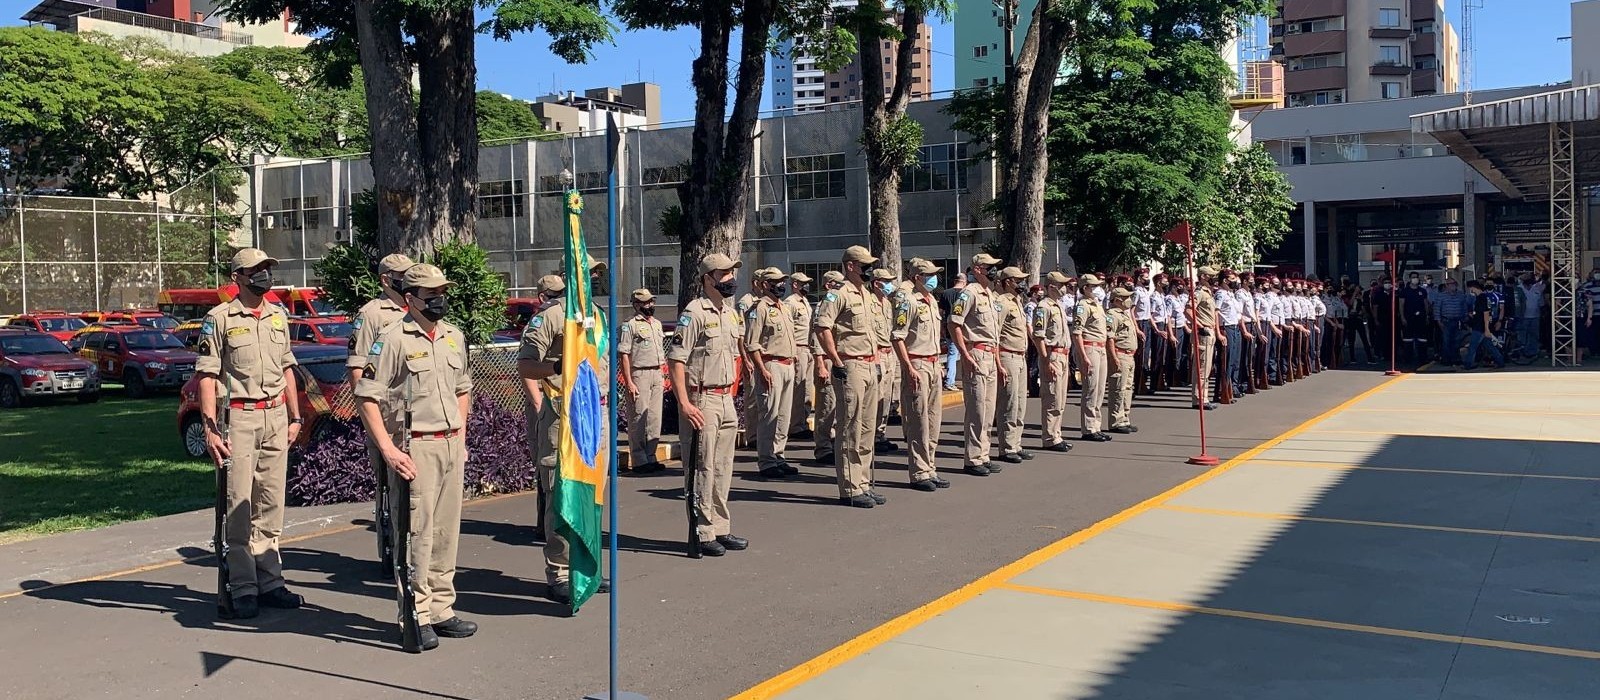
{"x": 1509, "y": 141}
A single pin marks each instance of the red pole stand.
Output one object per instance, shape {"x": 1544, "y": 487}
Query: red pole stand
{"x": 1204, "y": 459}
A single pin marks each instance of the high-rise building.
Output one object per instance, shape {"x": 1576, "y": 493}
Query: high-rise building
{"x": 1357, "y": 50}
{"x": 799, "y": 84}
{"x": 980, "y": 41}
{"x": 635, "y": 105}
{"x": 194, "y": 27}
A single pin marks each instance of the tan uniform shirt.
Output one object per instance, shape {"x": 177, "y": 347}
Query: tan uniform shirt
{"x": 1124, "y": 330}
{"x": 541, "y": 339}
{"x": 248, "y": 353}
{"x": 800, "y": 316}
{"x": 916, "y": 321}
{"x": 978, "y": 314}
{"x": 853, "y": 314}
{"x": 884, "y": 331}
{"x": 641, "y": 339}
{"x": 707, "y": 342}
{"x": 1205, "y": 310}
{"x": 1013, "y": 324}
{"x": 770, "y": 329}
{"x": 1050, "y": 324}
{"x": 373, "y": 317}
{"x": 432, "y": 369}
{"x": 1091, "y": 319}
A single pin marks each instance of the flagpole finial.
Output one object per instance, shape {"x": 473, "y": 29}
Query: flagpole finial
{"x": 566, "y": 179}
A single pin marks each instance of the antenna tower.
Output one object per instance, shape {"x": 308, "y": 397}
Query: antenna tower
{"x": 1469, "y": 44}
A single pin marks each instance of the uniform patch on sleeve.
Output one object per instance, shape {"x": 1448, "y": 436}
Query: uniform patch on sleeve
{"x": 204, "y": 346}
{"x": 961, "y": 305}
{"x": 278, "y": 322}
{"x": 831, "y": 297}
{"x": 356, "y": 324}
{"x": 208, "y": 327}
{"x": 1040, "y": 317}
{"x": 1081, "y": 310}
{"x": 450, "y": 341}
{"x": 772, "y": 313}
{"x": 536, "y": 322}
{"x": 377, "y": 347}
{"x": 369, "y": 371}
{"x": 901, "y": 318}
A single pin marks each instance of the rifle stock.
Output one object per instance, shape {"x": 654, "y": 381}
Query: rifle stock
{"x": 219, "y": 541}
{"x": 382, "y": 514}
{"x": 691, "y": 506}
{"x": 404, "y": 568}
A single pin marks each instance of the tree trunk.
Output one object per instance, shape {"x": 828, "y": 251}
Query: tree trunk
{"x": 396, "y": 165}
{"x": 879, "y": 115}
{"x": 1008, "y": 139}
{"x": 1033, "y": 163}
{"x": 709, "y": 75}
{"x": 447, "y": 122}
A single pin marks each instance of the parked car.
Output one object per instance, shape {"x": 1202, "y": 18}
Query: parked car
{"x": 326, "y": 331}
{"x": 36, "y": 364}
{"x": 320, "y": 374}
{"x": 189, "y": 333}
{"x": 149, "y": 318}
{"x": 58, "y": 324}
{"x": 141, "y": 358}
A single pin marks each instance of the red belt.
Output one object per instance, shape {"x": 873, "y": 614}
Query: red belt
{"x": 983, "y": 346}
{"x": 273, "y": 402}
{"x": 1063, "y": 350}
{"x": 929, "y": 358}
{"x": 863, "y": 358}
{"x": 1120, "y": 351}
{"x": 712, "y": 390}
{"x": 1092, "y": 343}
{"x": 436, "y": 435}
{"x": 1014, "y": 352}
{"x": 781, "y": 360}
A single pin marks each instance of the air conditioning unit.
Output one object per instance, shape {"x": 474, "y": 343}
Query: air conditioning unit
{"x": 770, "y": 215}
{"x": 341, "y": 235}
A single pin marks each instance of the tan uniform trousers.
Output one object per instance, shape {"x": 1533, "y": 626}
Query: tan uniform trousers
{"x": 888, "y": 390}
{"x": 435, "y": 524}
{"x": 547, "y": 434}
{"x": 853, "y": 424}
{"x": 1122, "y": 391}
{"x": 920, "y": 409}
{"x": 777, "y": 399}
{"x": 1013, "y": 401}
{"x": 823, "y": 423}
{"x": 750, "y": 420}
{"x": 978, "y": 394}
{"x": 1094, "y": 387}
{"x": 713, "y": 465}
{"x": 260, "y": 443}
{"x": 1202, "y": 384}
{"x": 1053, "y": 395}
{"x": 644, "y": 422}
{"x": 805, "y": 382}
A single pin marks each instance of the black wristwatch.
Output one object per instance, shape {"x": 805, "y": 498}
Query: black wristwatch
{"x": 297, "y": 420}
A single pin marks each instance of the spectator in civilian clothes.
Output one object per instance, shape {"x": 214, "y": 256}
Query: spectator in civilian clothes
{"x": 1479, "y": 325}
{"x": 1450, "y": 309}
{"x": 1527, "y": 298}
{"x": 1589, "y": 311}
{"x": 947, "y": 298}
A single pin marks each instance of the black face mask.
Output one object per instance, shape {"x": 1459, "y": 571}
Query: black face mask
{"x": 259, "y": 283}
{"x": 647, "y": 311}
{"x": 396, "y": 285}
{"x": 1233, "y": 284}
{"x": 434, "y": 308}
{"x": 779, "y": 290}
{"x": 548, "y": 300}
{"x": 726, "y": 289}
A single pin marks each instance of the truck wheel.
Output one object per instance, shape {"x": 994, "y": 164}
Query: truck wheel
{"x": 193, "y": 433}
{"x": 10, "y": 395}
{"x": 134, "y": 384}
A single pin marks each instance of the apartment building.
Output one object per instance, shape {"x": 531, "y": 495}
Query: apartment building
{"x": 1337, "y": 51}
{"x": 632, "y": 105}
{"x": 799, "y": 83}
{"x": 194, "y": 27}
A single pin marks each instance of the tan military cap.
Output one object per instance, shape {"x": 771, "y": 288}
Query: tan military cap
{"x": 801, "y": 277}
{"x": 643, "y": 295}
{"x": 883, "y": 273}
{"x": 1089, "y": 279}
{"x": 1013, "y": 273}
{"x": 552, "y": 283}
{"x": 394, "y": 262}
{"x": 717, "y": 261}
{"x": 1120, "y": 293}
{"x": 906, "y": 286}
{"x": 250, "y": 257}
{"x": 859, "y": 254}
{"x": 833, "y": 276}
{"x": 770, "y": 274}
{"x": 1057, "y": 277}
{"x": 985, "y": 259}
{"x": 1208, "y": 271}
{"x": 425, "y": 276}
{"x": 925, "y": 267}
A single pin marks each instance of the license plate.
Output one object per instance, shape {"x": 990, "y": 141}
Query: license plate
{"x": 187, "y": 376}
{"x": 72, "y": 384}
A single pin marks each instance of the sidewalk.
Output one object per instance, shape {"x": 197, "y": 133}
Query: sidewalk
{"x": 1414, "y": 542}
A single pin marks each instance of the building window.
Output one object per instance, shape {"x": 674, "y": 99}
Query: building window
{"x": 1427, "y": 63}
{"x": 980, "y": 82}
{"x": 916, "y": 64}
{"x": 659, "y": 280}
{"x": 592, "y": 181}
{"x": 815, "y": 177}
{"x": 1389, "y": 56}
{"x": 1330, "y": 24}
{"x": 1391, "y": 91}
{"x": 301, "y": 213}
{"x": 939, "y": 168}
{"x": 669, "y": 175}
{"x": 888, "y": 74}
{"x": 502, "y": 199}
{"x": 1425, "y": 27}
{"x": 1321, "y": 97}
{"x": 1315, "y": 62}
{"x": 833, "y": 83}
{"x": 980, "y": 52}
{"x": 888, "y": 61}
{"x": 1389, "y": 17}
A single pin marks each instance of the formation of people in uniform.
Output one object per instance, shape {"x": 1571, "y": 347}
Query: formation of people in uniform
{"x": 832, "y": 373}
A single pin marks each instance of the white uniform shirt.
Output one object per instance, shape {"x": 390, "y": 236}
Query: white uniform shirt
{"x": 1142, "y": 304}
{"x": 1178, "y": 305}
{"x": 1227, "y": 307}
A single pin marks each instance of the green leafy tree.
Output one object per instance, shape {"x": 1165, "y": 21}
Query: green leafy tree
{"x": 1247, "y": 212}
{"x": 333, "y": 119}
{"x": 500, "y": 117}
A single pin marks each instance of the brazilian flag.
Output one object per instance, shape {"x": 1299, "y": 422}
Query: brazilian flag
{"x": 580, "y": 494}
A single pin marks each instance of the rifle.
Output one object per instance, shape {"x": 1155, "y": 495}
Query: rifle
{"x": 404, "y": 568}
{"x": 219, "y": 541}
{"x": 1224, "y": 376}
{"x": 383, "y": 516}
{"x": 691, "y": 507}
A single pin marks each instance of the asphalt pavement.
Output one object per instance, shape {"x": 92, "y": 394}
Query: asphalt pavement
{"x": 817, "y": 575}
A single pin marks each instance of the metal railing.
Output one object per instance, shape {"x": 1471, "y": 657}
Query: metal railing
{"x": 167, "y": 24}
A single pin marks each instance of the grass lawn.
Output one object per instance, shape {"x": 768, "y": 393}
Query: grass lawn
{"x": 66, "y": 466}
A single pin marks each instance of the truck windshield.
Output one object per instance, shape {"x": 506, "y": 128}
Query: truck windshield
{"x": 65, "y": 323}
{"x": 153, "y": 341}
{"x": 32, "y": 345}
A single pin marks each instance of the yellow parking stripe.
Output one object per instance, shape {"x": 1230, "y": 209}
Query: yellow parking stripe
{"x": 1304, "y": 622}
{"x": 1472, "y": 411}
{"x": 1472, "y": 436}
{"x": 1336, "y": 466}
{"x": 1375, "y": 523}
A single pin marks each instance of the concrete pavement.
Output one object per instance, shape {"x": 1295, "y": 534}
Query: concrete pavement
{"x": 1434, "y": 537}
{"x": 817, "y": 575}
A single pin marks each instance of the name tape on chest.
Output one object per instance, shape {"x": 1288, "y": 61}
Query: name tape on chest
{"x": 420, "y": 354}
{"x": 238, "y": 330}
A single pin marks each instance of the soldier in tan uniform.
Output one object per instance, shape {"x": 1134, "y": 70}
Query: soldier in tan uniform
{"x": 1124, "y": 353}
{"x": 1052, "y": 340}
{"x": 1203, "y": 317}
{"x": 244, "y": 365}
{"x": 702, "y": 361}
{"x": 847, "y": 322}
{"x": 750, "y": 420}
{"x": 769, "y": 338}
{"x": 373, "y": 317}
{"x": 823, "y": 426}
{"x": 916, "y": 344}
{"x": 885, "y": 288}
{"x": 1089, "y": 335}
{"x": 804, "y": 362}
{"x": 975, "y": 329}
{"x": 419, "y": 365}
{"x": 640, "y": 345}
{"x": 1013, "y": 384}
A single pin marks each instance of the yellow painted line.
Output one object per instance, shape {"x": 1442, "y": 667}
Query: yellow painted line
{"x": 949, "y": 399}
{"x": 1545, "y": 394}
{"x": 1473, "y": 411}
{"x": 876, "y": 636}
{"x": 1336, "y": 466}
{"x": 1472, "y": 436}
{"x": 1304, "y": 622}
{"x": 1375, "y": 523}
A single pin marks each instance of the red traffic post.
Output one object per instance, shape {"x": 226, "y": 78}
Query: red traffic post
{"x": 1182, "y": 234}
